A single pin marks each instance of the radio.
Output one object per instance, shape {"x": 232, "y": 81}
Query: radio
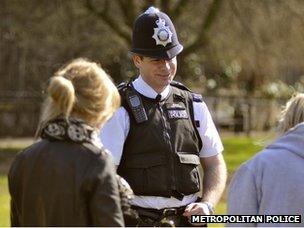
{"x": 135, "y": 103}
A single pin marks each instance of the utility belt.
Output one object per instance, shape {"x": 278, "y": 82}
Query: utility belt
{"x": 163, "y": 217}
{"x": 171, "y": 217}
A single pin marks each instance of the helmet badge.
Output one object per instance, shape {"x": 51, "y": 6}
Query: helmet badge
{"x": 162, "y": 33}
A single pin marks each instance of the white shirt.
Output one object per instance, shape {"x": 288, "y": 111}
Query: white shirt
{"x": 115, "y": 131}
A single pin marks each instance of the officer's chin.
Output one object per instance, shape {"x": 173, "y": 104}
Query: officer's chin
{"x": 166, "y": 79}
{"x": 166, "y": 82}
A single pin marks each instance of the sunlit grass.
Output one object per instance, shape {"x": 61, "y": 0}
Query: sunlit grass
{"x": 15, "y": 143}
{"x": 240, "y": 149}
{"x": 4, "y": 202}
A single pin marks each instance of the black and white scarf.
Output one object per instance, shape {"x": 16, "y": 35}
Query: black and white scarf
{"x": 70, "y": 129}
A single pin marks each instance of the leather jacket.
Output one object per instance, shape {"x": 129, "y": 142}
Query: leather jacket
{"x": 59, "y": 182}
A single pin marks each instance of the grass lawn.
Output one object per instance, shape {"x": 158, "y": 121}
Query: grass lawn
{"x": 4, "y": 202}
{"x": 237, "y": 150}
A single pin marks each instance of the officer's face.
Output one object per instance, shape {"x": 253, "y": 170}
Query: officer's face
{"x": 158, "y": 73}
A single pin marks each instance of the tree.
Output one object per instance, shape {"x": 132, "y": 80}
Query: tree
{"x": 126, "y": 11}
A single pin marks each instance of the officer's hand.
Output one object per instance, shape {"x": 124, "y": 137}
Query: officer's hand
{"x": 196, "y": 209}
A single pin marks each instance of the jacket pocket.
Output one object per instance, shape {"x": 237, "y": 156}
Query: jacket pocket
{"x": 146, "y": 173}
{"x": 186, "y": 158}
{"x": 188, "y": 172}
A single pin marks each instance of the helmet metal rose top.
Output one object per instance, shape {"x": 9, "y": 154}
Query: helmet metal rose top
{"x": 154, "y": 35}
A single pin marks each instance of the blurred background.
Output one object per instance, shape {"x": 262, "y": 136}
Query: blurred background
{"x": 244, "y": 56}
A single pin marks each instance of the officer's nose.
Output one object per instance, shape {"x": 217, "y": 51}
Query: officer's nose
{"x": 165, "y": 64}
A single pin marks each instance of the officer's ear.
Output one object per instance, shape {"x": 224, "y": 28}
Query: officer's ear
{"x": 137, "y": 59}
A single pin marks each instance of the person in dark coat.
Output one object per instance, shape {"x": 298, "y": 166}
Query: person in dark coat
{"x": 67, "y": 178}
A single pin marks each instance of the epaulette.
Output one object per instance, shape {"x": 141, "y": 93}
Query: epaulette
{"x": 179, "y": 85}
{"x": 197, "y": 97}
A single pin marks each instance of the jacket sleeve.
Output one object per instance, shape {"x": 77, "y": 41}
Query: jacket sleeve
{"x": 13, "y": 181}
{"x": 104, "y": 200}
{"x": 242, "y": 196}
{"x": 14, "y": 215}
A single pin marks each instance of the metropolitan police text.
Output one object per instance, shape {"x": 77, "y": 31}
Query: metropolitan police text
{"x": 246, "y": 219}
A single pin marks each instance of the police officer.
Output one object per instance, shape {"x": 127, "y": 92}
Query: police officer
{"x": 163, "y": 131}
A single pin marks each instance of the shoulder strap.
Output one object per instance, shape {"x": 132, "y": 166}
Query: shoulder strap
{"x": 195, "y": 96}
{"x": 179, "y": 86}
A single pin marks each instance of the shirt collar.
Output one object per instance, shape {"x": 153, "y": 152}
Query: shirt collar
{"x": 143, "y": 88}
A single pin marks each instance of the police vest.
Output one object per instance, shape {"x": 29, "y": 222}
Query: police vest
{"x": 161, "y": 155}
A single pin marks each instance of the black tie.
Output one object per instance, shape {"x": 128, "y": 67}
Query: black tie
{"x": 158, "y": 98}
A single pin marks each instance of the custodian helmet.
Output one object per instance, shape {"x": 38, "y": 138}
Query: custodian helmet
{"x": 154, "y": 35}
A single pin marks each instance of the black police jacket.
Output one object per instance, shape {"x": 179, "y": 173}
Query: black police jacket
{"x": 161, "y": 155}
{"x": 64, "y": 183}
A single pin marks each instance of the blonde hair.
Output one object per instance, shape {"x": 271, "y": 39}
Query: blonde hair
{"x": 292, "y": 114}
{"x": 81, "y": 89}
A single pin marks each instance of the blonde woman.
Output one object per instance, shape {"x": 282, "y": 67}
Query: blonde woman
{"x": 272, "y": 181}
{"x": 67, "y": 178}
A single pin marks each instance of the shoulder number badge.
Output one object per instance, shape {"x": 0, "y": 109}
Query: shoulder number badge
{"x": 162, "y": 33}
